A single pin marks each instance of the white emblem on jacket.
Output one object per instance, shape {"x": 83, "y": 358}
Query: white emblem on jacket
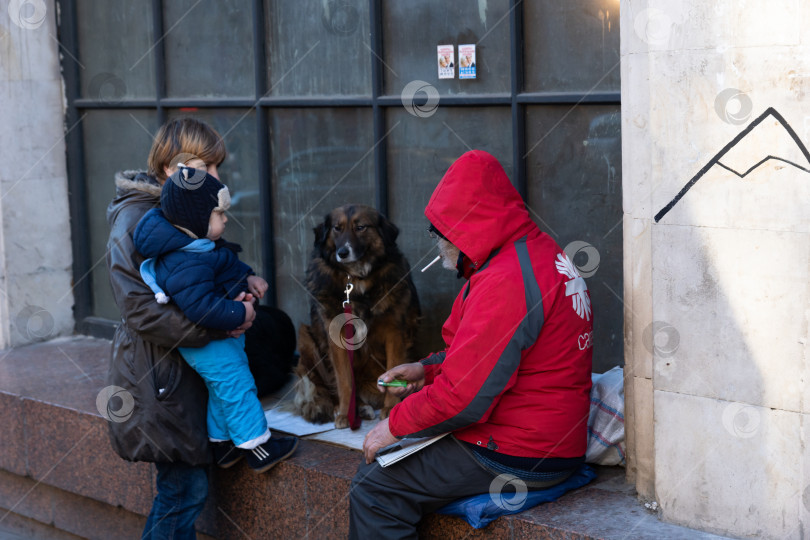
{"x": 576, "y": 287}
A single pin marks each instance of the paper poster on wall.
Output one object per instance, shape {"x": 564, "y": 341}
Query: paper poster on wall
{"x": 466, "y": 61}
{"x": 447, "y": 66}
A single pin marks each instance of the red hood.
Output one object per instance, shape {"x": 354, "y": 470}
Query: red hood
{"x": 477, "y": 208}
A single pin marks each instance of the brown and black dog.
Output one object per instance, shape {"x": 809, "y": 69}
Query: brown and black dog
{"x": 354, "y": 244}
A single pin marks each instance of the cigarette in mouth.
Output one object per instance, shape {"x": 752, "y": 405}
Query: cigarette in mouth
{"x": 431, "y": 263}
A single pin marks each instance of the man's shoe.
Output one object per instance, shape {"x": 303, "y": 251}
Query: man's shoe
{"x": 226, "y": 454}
{"x": 267, "y": 454}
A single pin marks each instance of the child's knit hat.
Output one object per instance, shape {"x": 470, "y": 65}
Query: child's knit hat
{"x": 189, "y": 196}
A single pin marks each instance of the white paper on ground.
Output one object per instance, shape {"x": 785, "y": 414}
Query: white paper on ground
{"x": 293, "y": 424}
{"x": 280, "y": 418}
{"x": 346, "y": 437}
{"x": 288, "y": 422}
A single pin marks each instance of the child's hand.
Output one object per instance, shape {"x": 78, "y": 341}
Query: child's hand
{"x": 257, "y": 286}
{"x": 250, "y": 313}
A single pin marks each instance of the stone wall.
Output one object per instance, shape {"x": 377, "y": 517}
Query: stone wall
{"x": 717, "y": 289}
{"x": 36, "y": 298}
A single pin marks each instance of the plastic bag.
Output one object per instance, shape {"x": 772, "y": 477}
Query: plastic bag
{"x": 606, "y": 419}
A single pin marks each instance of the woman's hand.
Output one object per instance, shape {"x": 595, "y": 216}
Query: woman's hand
{"x": 250, "y": 313}
{"x": 236, "y": 332}
{"x": 257, "y": 285}
{"x": 245, "y": 298}
{"x": 413, "y": 374}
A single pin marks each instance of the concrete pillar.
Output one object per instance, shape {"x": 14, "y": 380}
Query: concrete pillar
{"x": 717, "y": 290}
{"x": 36, "y": 298}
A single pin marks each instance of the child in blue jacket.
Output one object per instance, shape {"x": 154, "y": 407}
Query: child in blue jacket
{"x": 190, "y": 264}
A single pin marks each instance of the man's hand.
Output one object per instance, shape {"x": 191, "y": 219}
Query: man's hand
{"x": 414, "y": 373}
{"x": 377, "y": 438}
{"x": 256, "y": 285}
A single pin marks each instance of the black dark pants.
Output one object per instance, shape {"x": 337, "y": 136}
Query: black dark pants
{"x": 389, "y": 502}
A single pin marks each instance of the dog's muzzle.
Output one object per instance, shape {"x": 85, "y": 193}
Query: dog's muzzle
{"x": 345, "y": 254}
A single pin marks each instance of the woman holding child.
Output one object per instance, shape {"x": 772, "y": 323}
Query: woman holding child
{"x": 169, "y": 423}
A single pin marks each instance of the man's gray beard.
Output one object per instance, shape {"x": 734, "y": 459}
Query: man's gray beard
{"x": 449, "y": 254}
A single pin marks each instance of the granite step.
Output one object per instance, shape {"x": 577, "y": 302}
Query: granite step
{"x": 57, "y": 469}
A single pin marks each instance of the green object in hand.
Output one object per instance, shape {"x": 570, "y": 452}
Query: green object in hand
{"x": 395, "y": 382}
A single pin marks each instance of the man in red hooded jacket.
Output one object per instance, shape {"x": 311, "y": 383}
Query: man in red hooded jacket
{"x": 513, "y": 384}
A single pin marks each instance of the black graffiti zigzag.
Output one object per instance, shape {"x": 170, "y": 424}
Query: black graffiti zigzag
{"x": 770, "y": 111}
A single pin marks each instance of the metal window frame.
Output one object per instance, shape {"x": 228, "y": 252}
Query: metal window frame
{"x": 262, "y": 104}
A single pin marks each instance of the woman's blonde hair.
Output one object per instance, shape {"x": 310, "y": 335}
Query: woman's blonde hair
{"x": 182, "y": 140}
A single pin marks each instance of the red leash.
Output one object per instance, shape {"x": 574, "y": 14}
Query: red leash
{"x": 354, "y": 420}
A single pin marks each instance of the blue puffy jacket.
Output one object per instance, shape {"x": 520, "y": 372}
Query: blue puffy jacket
{"x": 201, "y": 284}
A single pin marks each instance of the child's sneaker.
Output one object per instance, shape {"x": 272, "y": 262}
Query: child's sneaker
{"x": 267, "y": 454}
{"x": 225, "y": 453}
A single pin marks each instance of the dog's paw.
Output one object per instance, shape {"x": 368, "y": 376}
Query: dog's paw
{"x": 365, "y": 411}
{"x": 341, "y": 421}
{"x": 384, "y": 412}
{"x": 315, "y": 415}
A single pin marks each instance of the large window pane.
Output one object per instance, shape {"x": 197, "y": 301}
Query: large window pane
{"x": 115, "y": 45}
{"x": 572, "y": 46}
{"x": 575, "y": 195}
{"x": 113, "y": 141}
{"x": 413, "y": 29}
{"x": 239, "y": 172}
{"x": 420, "y": 150}
{"x": 209, "y": 48}
{"x": 318, "y": 47}
{"x": 322, "y": 159}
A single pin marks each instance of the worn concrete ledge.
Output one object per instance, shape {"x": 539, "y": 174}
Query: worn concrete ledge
{"x": 57, "y": 468}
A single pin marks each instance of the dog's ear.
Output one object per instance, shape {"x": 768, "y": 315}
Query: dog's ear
{"x": 321, "y": 234}
{"x": 388, "y": 231}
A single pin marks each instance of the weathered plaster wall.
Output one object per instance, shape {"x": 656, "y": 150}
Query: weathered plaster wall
{"x": 717, "y": 291}
{"x": 36, "y": 299}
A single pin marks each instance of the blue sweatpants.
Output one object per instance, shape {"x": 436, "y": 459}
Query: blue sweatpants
{"x": 234, "y": 411}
